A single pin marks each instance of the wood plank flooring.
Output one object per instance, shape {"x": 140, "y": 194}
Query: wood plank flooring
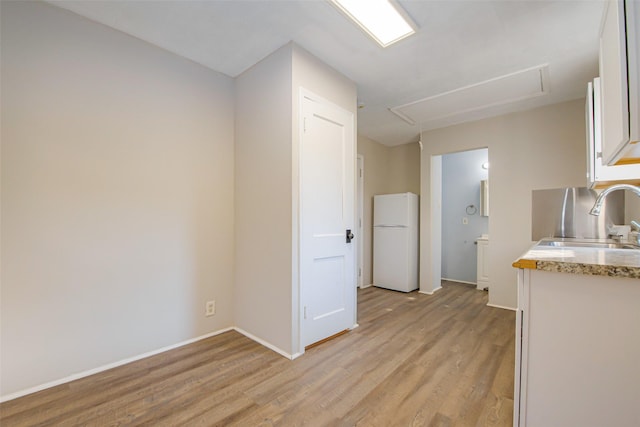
{"x": 416, "y": 360}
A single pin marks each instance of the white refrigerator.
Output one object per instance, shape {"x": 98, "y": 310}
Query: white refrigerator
{"x": 395, "y": 241}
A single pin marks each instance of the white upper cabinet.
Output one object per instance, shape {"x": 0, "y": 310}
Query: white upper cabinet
{"x": 600, "y": 175}
{"x": 619, "y": 74}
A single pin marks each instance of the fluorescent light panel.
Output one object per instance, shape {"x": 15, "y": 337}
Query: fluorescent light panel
{"x": 378, "y": 18}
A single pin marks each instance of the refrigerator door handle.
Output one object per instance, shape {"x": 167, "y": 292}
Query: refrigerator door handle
{"x": 349, "y": 236}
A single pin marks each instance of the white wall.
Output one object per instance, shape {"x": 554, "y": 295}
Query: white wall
{"x": 461, "y": 175}
{"x": 431, "y": 251}
{"x": 263, "y": 158}
{"x": 117, "y": 196}
{"x": 536, "y": 149}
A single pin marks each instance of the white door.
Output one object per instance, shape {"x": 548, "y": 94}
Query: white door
{"x": 327, "y": 260}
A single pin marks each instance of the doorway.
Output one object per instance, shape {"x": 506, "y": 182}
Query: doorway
{"x": 463, "y": 222}
{"x": 457, "y": 219}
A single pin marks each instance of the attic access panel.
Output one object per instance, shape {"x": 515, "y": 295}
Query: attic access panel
{"x": 518, "y": 86}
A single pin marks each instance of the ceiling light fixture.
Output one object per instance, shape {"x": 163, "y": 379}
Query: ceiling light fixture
{"x": 383, "y": 20}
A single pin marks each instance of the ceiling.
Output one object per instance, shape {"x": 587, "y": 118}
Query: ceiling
{"x": 459, "y": 44}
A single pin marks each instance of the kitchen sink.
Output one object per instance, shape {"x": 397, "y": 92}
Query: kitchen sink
{"x": 586, "y": 243}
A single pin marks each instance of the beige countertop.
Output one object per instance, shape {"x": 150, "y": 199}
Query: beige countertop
{"x": 582, "y": 260}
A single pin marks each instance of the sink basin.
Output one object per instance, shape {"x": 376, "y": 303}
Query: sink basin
{"x": 598, "y": 244}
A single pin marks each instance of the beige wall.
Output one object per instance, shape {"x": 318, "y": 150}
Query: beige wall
{"x": 386, "y": 170}
{"x": 117, "y": 197}
{"x": 632, "y": 208}
{"x": 537, "y": 149}
{"x": 404, "y": 169}
{"x": 376, "y": 160}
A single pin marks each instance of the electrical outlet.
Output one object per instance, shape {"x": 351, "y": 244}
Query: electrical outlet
{"x": 210, "y": 308}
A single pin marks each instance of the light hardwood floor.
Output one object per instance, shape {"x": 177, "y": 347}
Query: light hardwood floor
{"x": 415, "y": 360}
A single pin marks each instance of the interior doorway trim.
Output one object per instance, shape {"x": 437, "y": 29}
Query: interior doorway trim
{"x": 435, "y": 202}
{"x": 360, "y": 219}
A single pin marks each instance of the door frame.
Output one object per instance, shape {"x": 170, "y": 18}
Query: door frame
{"x": 435, "y": 202}
{"x": 297, "y": 291}
{"x": 360, "y": 219}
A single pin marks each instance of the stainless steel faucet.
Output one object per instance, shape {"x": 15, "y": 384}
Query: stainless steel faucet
{"x": 595, "y": 210}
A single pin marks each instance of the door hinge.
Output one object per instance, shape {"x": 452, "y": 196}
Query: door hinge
{"x": 305, "y": 312}
{"x": 304, "y": 124}
{"x": 359, "y": 272}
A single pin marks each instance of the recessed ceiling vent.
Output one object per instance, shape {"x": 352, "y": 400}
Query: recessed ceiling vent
{"x": 518, "y": 86}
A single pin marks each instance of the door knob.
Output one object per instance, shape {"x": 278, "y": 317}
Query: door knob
{"x": 350, "y": 236}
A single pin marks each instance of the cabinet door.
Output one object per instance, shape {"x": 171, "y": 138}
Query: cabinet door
{"x": 614, "y": 83}
{"x": 599, "y": 175}
{"x": 590, "y": 123}
{"x": 577, "y": 357}
{"x": 482, "y": 265}
{"x": 632, "y": 12}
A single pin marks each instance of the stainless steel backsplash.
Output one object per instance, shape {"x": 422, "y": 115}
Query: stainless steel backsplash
{"x": 564, "y": 212}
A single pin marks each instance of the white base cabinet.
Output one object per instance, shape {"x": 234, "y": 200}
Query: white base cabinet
{"x": 577, "y": 351}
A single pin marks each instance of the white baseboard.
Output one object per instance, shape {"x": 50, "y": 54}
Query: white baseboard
{"x": 366, "y": 286}
{"x": 103, "y": 368}
{"x": 460, "y": 281}
{"x": 501, "y": 306}
{"x": 267, "y": 344}
{"x": 430, "y": 293}
{"x": 149, "y": 354}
